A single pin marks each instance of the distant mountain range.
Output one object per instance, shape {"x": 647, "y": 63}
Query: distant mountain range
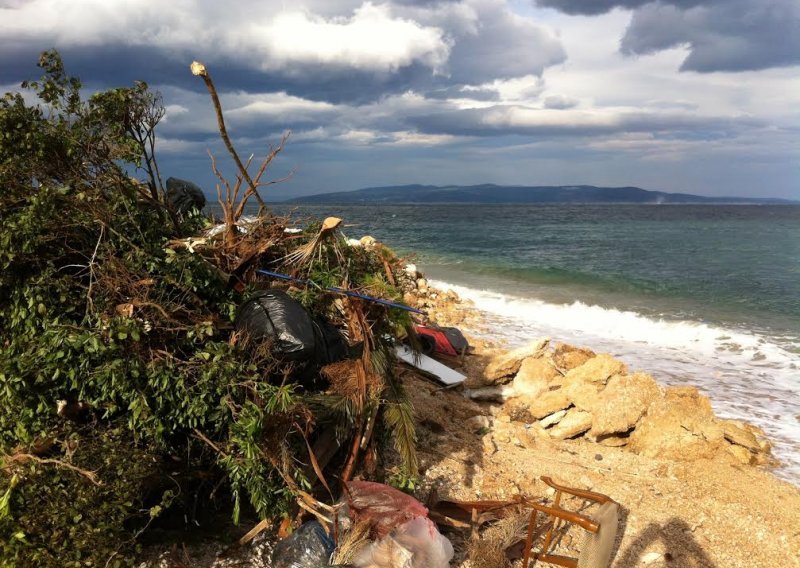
{"x": 490, "y": 193}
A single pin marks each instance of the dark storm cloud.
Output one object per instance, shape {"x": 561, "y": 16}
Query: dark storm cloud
{"x": 439, "y": 46}
{"x": 503, "y": 45}
{"x": 722, "y": 35}
{"x": 117, "y": 65}
{"x": 458, "y": 92}
{"x": 731, "y": 35}
{"x": 594, "y": 7}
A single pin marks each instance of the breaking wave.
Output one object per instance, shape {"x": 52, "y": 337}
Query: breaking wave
{"x": 747, "y": 374}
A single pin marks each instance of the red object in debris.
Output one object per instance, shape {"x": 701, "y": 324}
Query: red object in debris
{"x": 385, "y": 507}
{"x": 441, "y": 343}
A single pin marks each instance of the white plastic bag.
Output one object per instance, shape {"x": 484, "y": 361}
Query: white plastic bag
{"x": 414, "y": 544}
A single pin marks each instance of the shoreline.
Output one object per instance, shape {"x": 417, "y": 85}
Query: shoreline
{"x": 704, "y": 512}
{"x": 685, "y": 354}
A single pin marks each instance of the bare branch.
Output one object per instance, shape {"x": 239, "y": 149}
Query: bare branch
{"x": 90, "y": 475}
{"x": 200, "y": 70}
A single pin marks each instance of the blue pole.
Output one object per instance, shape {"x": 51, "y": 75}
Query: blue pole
{"x": 341, "y": 291}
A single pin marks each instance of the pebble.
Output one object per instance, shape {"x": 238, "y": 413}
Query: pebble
{"x": 489, "y": 447}
{"x": 477, "y": 422}
{"x": 651, "y": 557}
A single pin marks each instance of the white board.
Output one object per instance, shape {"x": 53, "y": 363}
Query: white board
{"x": 445, "y": 374}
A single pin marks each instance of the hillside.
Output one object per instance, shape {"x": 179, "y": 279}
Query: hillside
{"x": 490, "y": 193}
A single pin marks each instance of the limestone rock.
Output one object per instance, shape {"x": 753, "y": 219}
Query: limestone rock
{"x": 622, "y": 403}
{"x": 489, "y": 447}
{"x": 679, "y": 426}
{"x": 530, "y": 409}
{"x": 652, "y": 557}
{"x": 479, "y": 422}
{"x": 741, "y": 454}
{"x": 552, "y": 419}
{"x": 612, "y": 441}
{"x": 536, "y": 430}
{"x": 567, "y": 357}
{"x": 737, "y": 433}
{"x": 574, "y": 423}
{"x": 487, "y": 394}
{"x": 534, "y": 376}
{"x": 503, "y": 367}
{"x": 582, "y": 394}
{"x": 596, "y": 370}
{"x": 368, "y": 242}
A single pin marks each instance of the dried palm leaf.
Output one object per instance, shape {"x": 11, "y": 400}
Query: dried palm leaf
{"x": 347, "y": 378}
{"x": 303, "y": 254}
{"x": 489, "y": 551}
{"x": 351, "y": 542}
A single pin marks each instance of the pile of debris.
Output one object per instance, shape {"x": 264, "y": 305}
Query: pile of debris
{"x": 158, "y": 366}
{"x": 564, "y": 392}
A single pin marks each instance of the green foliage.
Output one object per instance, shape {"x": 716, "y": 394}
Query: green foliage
{"x": 57, "y": 517}
{"x": 96, "y": 309}
{"x": 117, "y": 361}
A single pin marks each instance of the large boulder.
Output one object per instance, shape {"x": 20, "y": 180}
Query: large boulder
{"x": 596, "y": 370}
{"x": 679, "y": 426}
{"x": 503, "y": 367}
{"x": 620, "y": 405}
{"x": 584, "y": 395}
{"x": 583, "y": 384}
{"x": 737, "y": 433}
{"x": 567, "y": 357}
{"x": 574, "y": 423}
{"x": 533, "y": 408}
{"x": 748, "y": 443}
{"x": 534, "y": 376}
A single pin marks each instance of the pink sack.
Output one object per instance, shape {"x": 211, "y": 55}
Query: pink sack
{"x": 383, "y": 506}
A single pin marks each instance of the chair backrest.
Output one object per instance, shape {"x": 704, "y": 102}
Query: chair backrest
{"x": 597, "y": 547}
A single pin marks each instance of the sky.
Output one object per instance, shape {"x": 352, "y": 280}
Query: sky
{"x": 696, "y": 96}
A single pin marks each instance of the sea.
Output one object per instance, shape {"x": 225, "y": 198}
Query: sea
{"x": 703, "y": 295}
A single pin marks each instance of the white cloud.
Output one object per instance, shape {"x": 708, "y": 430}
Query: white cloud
{"x": 370, "y": 39}
{"x": 265, "y": 36}
{"x": 277, "y": 105}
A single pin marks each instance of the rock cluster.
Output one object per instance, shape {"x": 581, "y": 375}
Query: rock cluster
{"x": 562, "y": 392}
{"x": 442, "y": 307}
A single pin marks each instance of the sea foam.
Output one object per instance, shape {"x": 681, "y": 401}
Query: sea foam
{"x": 748, "y": 375}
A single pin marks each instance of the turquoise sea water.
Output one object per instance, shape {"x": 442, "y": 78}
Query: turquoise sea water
{"x": 694, "y": 294}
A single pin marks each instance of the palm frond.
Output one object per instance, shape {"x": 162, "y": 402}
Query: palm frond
{"x": 399, "y": 417}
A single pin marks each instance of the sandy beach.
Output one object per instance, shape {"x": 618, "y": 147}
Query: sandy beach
{"x": 708, "y": 512}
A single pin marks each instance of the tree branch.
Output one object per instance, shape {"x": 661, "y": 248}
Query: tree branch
{"x": 200, "y": 70}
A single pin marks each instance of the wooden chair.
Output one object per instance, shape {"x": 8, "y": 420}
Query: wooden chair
{"x": 600, "y": 529}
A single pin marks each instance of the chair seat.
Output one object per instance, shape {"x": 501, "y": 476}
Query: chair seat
{"x": 597, "y": 547}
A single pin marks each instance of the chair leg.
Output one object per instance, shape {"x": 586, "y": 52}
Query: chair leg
{"x": 529, "y": 539}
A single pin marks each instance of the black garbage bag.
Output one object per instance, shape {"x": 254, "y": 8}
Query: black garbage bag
{"x": 456, "y": 338}
{"x": 273, "y": 315}
{"x": 307, "y": 547}
{"x": 184, "y": 195}
{"x": 330, "y": 344}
